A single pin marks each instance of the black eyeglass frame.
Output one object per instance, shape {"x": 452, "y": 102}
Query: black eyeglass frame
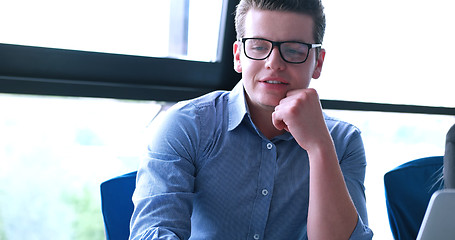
{"x": 278, "y": 44}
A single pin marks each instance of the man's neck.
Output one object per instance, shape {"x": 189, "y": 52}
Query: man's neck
{"x": 262, "y": 119}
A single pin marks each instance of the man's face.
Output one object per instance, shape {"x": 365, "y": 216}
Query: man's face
{"x": 267, "y": 81}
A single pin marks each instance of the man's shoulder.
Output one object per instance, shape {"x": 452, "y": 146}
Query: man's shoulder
{"x": 201, "y": 110}
{"x": 205, "y": 101}
{"x": 346, "y": 136}
{"x": 196, "y": 115}
{"x": 337, "y": 125}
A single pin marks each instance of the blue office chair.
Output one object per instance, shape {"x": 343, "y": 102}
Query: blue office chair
{"x": 408, "y": 189}
{"x": 117, "y": 206}
{"x": 449, "y": 159}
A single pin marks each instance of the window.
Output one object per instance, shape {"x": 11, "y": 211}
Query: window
{"x": 168, "y": 28}
{"x": 120, "y": 47}
{"x": 389, "y": 51}
{"x": 55, "y": 152}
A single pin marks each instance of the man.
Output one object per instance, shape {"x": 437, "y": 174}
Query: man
{"x": 261, "y": 161}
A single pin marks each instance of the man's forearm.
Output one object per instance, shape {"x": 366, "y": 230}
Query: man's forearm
{"x": 331, "y": 213}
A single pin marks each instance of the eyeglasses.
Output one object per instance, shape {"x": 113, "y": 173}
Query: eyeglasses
{"x": 290, "y": 51}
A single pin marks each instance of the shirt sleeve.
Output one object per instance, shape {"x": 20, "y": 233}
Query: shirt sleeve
{"x": 353, "y": 165}
{"x": 361, "y": 231}
{"x": 165, "y": 180}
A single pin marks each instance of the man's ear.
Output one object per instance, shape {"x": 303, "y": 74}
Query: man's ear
{"x": 237, "y": 51}
{"x": 319, "y": 62}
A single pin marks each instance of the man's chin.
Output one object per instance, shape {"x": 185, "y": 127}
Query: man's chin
{"x": 271, "y": 103}
{"x": 274, "y": 100}
{"x": 268, "y": 102}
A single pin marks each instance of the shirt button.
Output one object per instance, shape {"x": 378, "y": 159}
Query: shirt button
{"x": 269, "y": 146}
{"x": 256, "y": 236}
{"x": 265, "y": 192}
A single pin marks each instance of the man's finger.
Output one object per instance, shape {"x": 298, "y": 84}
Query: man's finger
{"x": 278, "y": 122}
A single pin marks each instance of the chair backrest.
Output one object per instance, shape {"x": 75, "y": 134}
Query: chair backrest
{"x": 449, "y": 159}
{"x": 117, "y": 206}
{"x": 408, "y": 189}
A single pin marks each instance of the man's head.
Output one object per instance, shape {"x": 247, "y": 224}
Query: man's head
{"x": 276, "y": 50}
{"x": 313, "y": 8}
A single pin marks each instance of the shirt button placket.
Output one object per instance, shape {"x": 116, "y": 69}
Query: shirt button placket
{"x": 267, "y": 169}
{"x": 265, "y": 192}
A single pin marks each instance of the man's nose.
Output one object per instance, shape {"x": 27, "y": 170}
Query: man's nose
{"x": 275, "y": 61}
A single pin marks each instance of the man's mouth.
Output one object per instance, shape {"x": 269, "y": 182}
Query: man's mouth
{"x": 275, "y": 82}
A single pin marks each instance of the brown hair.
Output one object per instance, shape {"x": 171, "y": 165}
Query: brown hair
{"x": 312, "y": 8}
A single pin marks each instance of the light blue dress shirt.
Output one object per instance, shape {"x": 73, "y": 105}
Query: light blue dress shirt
{"x": 210, "y": 174}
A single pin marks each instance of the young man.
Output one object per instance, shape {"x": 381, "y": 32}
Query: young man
{"x": 261, "y": 161}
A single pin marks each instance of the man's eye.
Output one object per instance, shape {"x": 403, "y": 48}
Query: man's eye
{"x": 259, "y": 48}
{"x": 293, "y": 51}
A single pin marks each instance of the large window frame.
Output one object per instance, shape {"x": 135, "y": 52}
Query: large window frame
{"x": 48, "y": 71}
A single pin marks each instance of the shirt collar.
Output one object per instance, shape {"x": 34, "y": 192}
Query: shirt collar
{"x": 237, "y": 106}
{"x": 238, "y": 109}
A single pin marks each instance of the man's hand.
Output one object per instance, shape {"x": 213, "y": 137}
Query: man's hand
{"x": 300, "y": 113}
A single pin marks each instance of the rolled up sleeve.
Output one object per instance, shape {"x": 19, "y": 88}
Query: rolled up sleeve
{"x": 353, "y": 165}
